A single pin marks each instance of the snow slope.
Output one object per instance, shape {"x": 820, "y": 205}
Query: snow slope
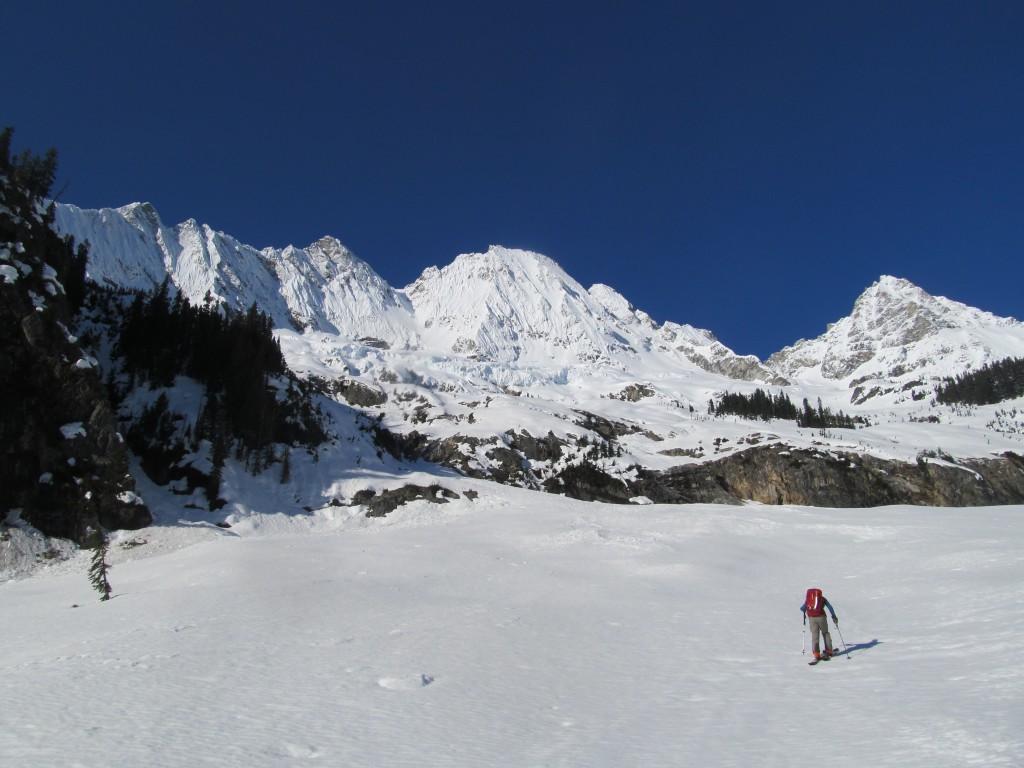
{"x": 523, "y": 629}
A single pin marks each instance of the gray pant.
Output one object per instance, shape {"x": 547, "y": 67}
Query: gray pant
{"x": 819, "y": 625}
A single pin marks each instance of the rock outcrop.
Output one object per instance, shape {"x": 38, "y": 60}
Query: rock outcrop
{"x": 380, "y": 504}
{"x": 777, "y": 474}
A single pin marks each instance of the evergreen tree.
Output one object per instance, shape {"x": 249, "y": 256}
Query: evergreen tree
{"x": 759, "y": 405}
{"x": 236, "y": 356}
{"x": 286, "y": 467}
{"x": 992, "y": 383}
{"x": 99, "y": 569}
{"x": 823, "y": 418}
{"x": 42, "y": 386}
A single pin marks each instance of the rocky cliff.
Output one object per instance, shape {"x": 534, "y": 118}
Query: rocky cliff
{"x": 778, "y": 474}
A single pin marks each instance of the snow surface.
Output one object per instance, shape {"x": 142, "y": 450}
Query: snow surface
{"x": 522, "y": 629}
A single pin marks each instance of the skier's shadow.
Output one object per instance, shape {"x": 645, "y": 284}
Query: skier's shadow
{"x": 856, "y": 647}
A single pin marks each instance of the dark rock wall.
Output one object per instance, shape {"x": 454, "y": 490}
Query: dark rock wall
{"x": 778, "y": 475}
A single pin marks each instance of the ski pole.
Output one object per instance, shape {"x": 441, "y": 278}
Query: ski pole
{"x": 845, "y": 649}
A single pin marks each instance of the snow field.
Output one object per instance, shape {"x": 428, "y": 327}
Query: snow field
{"x": 529, "y": 630}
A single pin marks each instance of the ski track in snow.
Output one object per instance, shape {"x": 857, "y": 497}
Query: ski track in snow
{"x": 528, "y": 630}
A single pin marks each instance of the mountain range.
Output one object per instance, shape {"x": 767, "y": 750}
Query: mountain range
{"x": 504, "y": 306}
{"x": 519, "y": 308}
{"x": 476, "y": 361}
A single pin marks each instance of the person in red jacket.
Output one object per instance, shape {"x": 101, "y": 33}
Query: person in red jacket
{"x": 814, "y": 609}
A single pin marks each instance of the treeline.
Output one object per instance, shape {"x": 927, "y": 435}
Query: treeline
{"x": 760, "y": 405}
{"x": 992, "y": 383}
{"x": 251, "y": 400}
{"x": 763, "y": 405}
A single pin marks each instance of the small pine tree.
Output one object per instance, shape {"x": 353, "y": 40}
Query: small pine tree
{"x": 99, "y": 568}
{"x": 286, "y": 467}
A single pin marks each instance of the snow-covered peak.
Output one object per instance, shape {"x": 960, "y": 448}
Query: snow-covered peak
{"x": 894, "y": 311}
{"x": 330, "y": 251}
{"x": 509, "y": 304}
{"x": 898, "y": 331}
{"x": 125, "y": 243}
{"x": 511, "y": 329}
{"x": 330, "y": 289}
{"x": 501, "y": 272}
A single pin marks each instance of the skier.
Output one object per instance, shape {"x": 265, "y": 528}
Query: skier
{"x": 814, "y": 608}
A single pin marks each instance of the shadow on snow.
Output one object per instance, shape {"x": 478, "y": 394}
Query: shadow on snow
{"x": 847, "y": 650}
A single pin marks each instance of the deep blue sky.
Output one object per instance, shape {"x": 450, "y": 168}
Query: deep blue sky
{"x": 746, "y": 167}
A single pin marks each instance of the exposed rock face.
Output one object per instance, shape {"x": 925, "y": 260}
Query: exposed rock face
{"x": 745, "y": 368}
{"x": 769, "y": 474}
{"x": 715, "y": 357}
{"x": 545, "y": 449}
{"x": 379, "y": 505}
{"x": 357, "y": 393}
{"x": 589, "y": 483}
{"x": 607, "y": 430}
{"x": 454, "y": 452}
{"x": 634, "y": 393}
{"x": 779, "y": 475}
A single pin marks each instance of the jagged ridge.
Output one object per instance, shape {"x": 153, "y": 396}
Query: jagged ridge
{"x": 505, "y": 305}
